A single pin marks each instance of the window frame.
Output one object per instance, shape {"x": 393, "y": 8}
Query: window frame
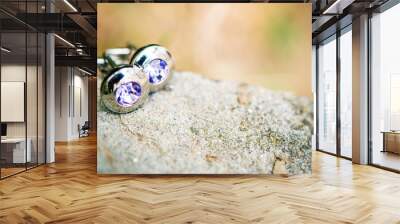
{"x": 333, "y": 37}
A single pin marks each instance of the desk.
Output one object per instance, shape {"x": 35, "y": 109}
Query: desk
{"x": 391, "y": 141}
{"x": 16, "y": 148}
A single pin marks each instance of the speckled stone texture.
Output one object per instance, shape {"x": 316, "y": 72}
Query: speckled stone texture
{"x": 201, "y": 126}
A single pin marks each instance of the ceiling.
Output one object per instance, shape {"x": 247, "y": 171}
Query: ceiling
{"x": 75, "y": 21}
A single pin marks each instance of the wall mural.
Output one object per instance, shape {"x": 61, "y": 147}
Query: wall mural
{"x": 204, "y": 88}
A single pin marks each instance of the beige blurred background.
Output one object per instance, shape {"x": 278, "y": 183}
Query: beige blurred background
{"x": 257, "y": 43}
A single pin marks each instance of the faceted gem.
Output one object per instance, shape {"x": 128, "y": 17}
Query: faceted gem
{"x": 157, "y": 71}
{"x": 128, "y": 93}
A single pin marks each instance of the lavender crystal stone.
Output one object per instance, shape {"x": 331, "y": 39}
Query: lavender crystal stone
{"x": 128, "y": 93}
{"x": 157, "y": 71}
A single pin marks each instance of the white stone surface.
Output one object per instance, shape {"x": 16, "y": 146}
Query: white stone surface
{"x": 202, "y": 126}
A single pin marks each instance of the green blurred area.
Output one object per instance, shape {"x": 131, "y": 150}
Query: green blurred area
{"x": 281, "y": 35}
{"x": 264, "y": 44}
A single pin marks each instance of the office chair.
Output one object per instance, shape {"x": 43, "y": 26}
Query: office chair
{"x": 84, "y": 130}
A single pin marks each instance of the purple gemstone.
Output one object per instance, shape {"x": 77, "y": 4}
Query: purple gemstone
{"x": 128, "y": 93}
{"x": 157, "y": 71}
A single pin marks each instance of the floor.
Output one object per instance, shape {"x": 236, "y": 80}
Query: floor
{"x": 10, "y": 171}
{"x": 387, "y": 159}
{"x": 5, "y": 172}
{"x": 70, "y": 191}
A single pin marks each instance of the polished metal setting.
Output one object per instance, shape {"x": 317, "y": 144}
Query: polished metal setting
{"x": 157, "y": 64}
{"x": 113, "y": 57}
{"x": 119, "y": 55}
{"x": 124, "y": 89}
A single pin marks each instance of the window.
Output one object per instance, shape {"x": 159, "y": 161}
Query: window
{"x": 327, "y": 96}
{"x": 346, "y": 93}
{"x": 385, "y": 89}
{"x": 333, "y": 137}
{"x": 22, "y": 102}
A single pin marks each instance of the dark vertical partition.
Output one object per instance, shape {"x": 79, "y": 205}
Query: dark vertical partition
{"x": 32, "y": 88}
{"x": 14, "y": 145}
{"x": 22, "y": 77}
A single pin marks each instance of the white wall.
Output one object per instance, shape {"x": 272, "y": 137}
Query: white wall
{"x": 62, "y": 81}
{"x": 34, "y": 125}
{"x": 71, "y": 102}
{"x": 13, "y": 73}
{"x": 79, "y": 117}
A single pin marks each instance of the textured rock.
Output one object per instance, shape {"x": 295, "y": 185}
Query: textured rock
{"x": 201, "y": 126}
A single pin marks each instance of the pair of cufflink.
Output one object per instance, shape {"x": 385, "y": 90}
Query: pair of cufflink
{"x": 126, "y": 87}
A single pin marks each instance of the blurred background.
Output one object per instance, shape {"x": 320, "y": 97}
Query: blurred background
{"x": 262, "y": 44}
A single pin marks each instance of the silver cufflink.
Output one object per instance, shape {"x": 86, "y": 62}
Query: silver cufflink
{"x": 126, "y": 87}
{"x": 156, "y": 63}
